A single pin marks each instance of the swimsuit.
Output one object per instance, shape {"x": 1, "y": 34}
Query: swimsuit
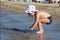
{"x": 50, "y": 18}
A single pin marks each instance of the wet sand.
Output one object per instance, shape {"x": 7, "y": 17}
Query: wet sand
{"x": 15, "y": 26}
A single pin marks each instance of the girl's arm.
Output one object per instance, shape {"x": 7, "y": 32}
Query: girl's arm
{"x": 36, "y": 20}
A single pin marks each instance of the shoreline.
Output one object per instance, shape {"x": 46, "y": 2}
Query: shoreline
{"x": 19, "y": 7}
{"x": 53, "y": 9}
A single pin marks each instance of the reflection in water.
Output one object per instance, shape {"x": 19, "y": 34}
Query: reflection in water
{"x": 41, "y": 36}
{"x": 15, "y": 26}
{"x": 37, "y": 37}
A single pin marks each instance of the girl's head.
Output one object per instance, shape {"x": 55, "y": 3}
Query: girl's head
{"x": 30, "y": 9}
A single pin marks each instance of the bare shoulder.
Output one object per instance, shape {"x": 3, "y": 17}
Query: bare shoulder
{"x": 43, "y": 12}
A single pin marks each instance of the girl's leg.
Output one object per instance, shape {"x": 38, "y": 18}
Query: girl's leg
{"x": 40, "y": 29}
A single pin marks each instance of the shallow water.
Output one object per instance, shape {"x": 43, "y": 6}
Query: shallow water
{"x": 15, "y": 26}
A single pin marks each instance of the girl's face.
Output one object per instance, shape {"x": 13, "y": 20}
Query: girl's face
{"x": 31, "y": 14}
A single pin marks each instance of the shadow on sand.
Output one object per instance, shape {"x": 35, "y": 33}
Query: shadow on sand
{"x": 31, "y": 37}
{"x": 15, "y": 29}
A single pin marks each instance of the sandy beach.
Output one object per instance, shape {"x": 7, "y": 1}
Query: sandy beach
{"x": 53, "y": 9}
{"x": 15, "y": 23}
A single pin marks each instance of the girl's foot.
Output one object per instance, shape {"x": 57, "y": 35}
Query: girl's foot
{"x": 38, "y": 32}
